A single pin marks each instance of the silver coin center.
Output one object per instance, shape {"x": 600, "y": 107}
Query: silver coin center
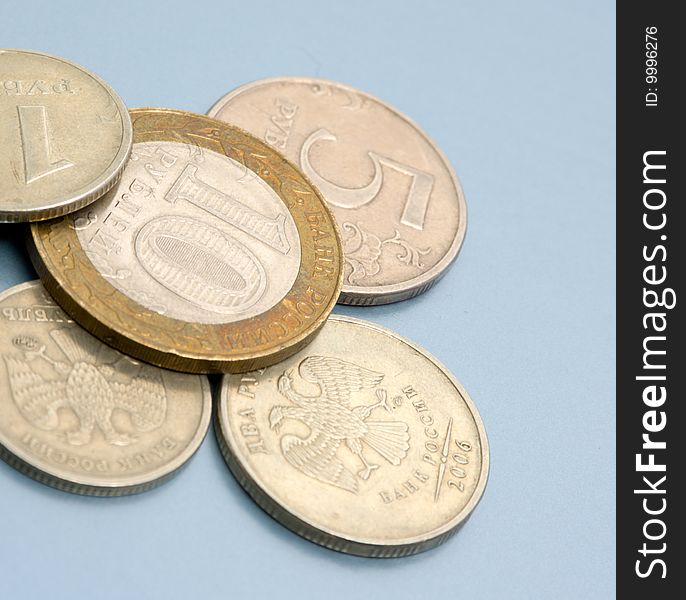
{"x": 192, "y": 234}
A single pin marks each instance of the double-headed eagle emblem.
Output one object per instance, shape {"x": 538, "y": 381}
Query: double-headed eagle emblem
{"x": 86, "y": 385}
{"x": 332, "y": 420}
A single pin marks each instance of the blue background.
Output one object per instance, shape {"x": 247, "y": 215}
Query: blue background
{"x": 520, "y": 96}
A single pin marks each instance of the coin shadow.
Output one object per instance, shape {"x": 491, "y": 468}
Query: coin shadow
{"x": 400, "y": 310}
{"x": 14, "y": 232}
{"x": 13, "y": 242}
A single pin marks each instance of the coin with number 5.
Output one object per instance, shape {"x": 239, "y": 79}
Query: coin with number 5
{"x": 397, "y": 201}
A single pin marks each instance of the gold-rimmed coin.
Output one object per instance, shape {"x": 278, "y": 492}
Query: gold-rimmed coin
{"x": 213, "y": 254}
{"x": 398, "y": 203}
{"x": 66, "y": 136}
{"x": 361, "y": 442}
{"x": 81, "y": 417}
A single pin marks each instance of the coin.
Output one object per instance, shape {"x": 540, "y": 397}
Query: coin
{"x": 397, "y": 201}
{"x": 81, "y": 417}
{"x": 213, "y": 254}
{"x": 361, "y": 442}
{"x": 66, "y": 136}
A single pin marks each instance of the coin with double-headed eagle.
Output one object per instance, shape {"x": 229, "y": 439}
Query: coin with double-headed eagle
{"x": 361, "y": 442}
{"x": 213, "y": 254}
{"x": 80, "y": 416}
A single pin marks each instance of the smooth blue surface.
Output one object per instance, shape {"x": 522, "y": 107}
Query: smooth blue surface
{"x": 520, "y": 96}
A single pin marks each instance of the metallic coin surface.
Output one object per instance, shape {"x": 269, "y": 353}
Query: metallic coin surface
{"x": 361, "y": 442}
{"x": 397, "y": 201}
{"x": 66, "y": 136}
{"x": 213, "y": 253}
{"x": 81, "y": 417}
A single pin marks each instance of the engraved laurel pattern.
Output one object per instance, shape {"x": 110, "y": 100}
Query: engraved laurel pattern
{"x": 333, "y": 421}
{"x": 349, "y": 100}
{"x": 363, "y": 251}
{"x": 86, "y": 384}
{"x": 106, "y": 269}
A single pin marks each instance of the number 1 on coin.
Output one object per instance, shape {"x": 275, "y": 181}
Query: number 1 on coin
{"x": 35, "y": 144}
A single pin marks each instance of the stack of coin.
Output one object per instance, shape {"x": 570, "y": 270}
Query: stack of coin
{"x": 173, "y": 245}
{"x": 213, "y": 254}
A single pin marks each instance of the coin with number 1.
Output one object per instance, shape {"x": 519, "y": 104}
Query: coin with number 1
{"x": 66, "y": 136}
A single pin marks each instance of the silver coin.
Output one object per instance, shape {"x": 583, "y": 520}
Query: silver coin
{"x": 66, "y": 136}
{"x": 79, "y": 416}
{"x": 398, "y": 203}
{"x": 361, "y": 442}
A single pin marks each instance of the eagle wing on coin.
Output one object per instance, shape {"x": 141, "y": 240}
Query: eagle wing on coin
{"x": 145, "y": 399}
{"x": 331, "y": 416}
{"x": 338, "y": 378}
{"x": 316, "y": 457}
{"x": 37, "y": 398}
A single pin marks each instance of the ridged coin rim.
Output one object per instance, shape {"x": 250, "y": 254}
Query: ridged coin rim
{"x": 101, "y": 185}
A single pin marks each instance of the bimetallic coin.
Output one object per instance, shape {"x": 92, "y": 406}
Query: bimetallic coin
{"x": 362, "y": 442}
{"x": 213, "y": 254}
{"x": 397, "y": 201}
{"x": 66, "y": 136}
{"x": 81, "y": 417}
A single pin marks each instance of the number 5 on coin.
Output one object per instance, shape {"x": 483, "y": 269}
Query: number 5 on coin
{"x": 417, "y": 200}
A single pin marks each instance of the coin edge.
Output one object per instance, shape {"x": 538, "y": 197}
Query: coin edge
{"x": 94, "y": 488}
{"x": 172, "y": 360}
{"x": 104, "y": 183}
{"x": 389, "y": 293}
{"x": 336, "y": 540}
